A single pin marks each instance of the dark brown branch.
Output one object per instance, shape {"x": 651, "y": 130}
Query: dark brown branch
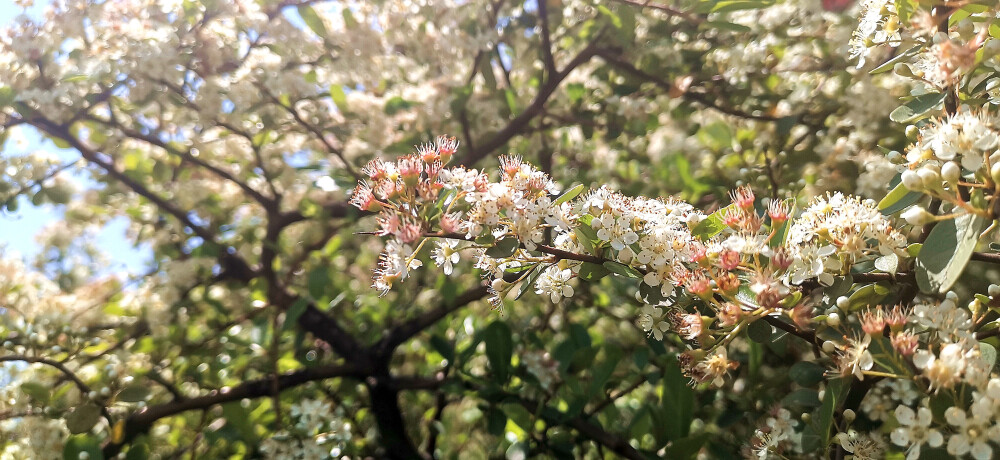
{"x": 547, "y": 58}
{"x": 142, "y": 421}
{"x": 699, "y": 98}
{"x": 517, "y": 125}
{"x": 80, "y": 384}
{"x": 592, "y": 431}
{"x": 407, "y": 329}
{"x": 267, "y": 202}
{"x": 664, "y": 8}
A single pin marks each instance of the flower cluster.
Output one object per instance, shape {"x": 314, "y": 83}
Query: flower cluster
{"x": 740, "y": 263}
{"x": 838, "y": 231}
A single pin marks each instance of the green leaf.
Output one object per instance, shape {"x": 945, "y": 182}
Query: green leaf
{"x": 319, "y": 281}
{"x": 511, "y": 100}
{"x": 339, "y": 97}
{"x": 716, "y": 136}
{"x": 677, "y": 402}
{"x": 7, "y": 96}
{"x": 886, "y": 356}
{"x": 804, "y": 397}
{"x": 916, "y": 107}
{"x": 711, "y": 225}
{"x": 988, "y": 353}
{"x": 622, "y": 269}
{"x": 615, "y": 20}
{"x": 869, "y": 295}
{"x": 499, "y": 349}
{"x": 575, "y": 92}
{"x": 134, "y": 393}
{"x": 496, "y": 421}
{"x": 36, "y": 391}
{"x": 602, "y": 372}
{"x": 888, "y": 65}
{"x": 83, "y": 418}
{"x": 946, "y": 251}
{"x": 759, "y": 331}
{"x": 898, "y": 199}
{"x": 592, "y": 272}
{"x": 529, "y": 281}
{"x": 569, "y": 195}
{"x": 817, "y": 434}
{"x": 313, "y": 20}
{"x": 503, "y": 248}
{"x": 806, "y": 373}
{"x": 239, "y": 418}
{"x": 725, "y": 6}
{"x": 80, "y": 444}
{"x": 294, "y": 312}
{"x": 74, "y": 77}
{"x": 888, "y": 263}
{"x": 686, "y": 448}
{"x": 780, "y": 235}
{"x": 443, "y": 347}
{"x": 397, "y": 104}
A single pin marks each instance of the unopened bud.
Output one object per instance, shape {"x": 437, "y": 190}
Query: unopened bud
{"x": 895, "y": 157}
{"x": 912, "y": 181}
{"x": 911, "y": 132}
{"x": 849, "y": 415}
{"x": 843, "y": 302}
{"x": 930, "y": 178}
{"x": 833, "y": 320}
{"x": 498, "y": 284}
{"x": 917, "y": 216}
{"x": 993, "y": 290}
{"x": 951, "y": 172}
{"x": 829, "y": 347}
{"x": 995, "y": 172}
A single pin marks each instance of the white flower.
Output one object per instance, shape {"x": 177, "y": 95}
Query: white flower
{"x": 973, "y": 433}
{"x": 863, "y": 446}
{"x": 554, "y": 282}
{"x": 915, "y": 430}
{"x": 944, "y": 370}
{"x": 445, "y": 255}
{"x": 856, "y": 358}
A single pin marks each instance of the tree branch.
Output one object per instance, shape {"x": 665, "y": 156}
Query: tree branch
{"x": 517, "y": 125}
{"x": 407, "y": 329}
{"x": 142, "y": 421}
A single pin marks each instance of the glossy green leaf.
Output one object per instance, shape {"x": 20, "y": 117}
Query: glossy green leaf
{"x": 759, "y": 331}
{"x": 569, "y": 194}
{"x": 499, "y": 349}
{"x": 592, "y": 272}
{"x": 806, "y": 373}
{"x": 37, "y": 391}
{"x": 901, "y": 57}
{"x": 711, "y": 225}
{"x": 622, "y": 269}
{"x": 83, "y": 418}
{"x": 916, "y": 107}
{"x": 312, "y": 20}
{"x": 503, "y": 248}
{"x": 134, "y": 393}
{"x": 529, "y": 281}
{"x": 82, "y": 446}
{"x": 677, "y": 403}
{"x": 898, "y": 199}
{"x": 817, "y": 434}
{"x": 946, "y": 251}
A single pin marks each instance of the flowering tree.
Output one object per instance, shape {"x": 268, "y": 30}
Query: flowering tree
{"x": 774, "y": 304}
